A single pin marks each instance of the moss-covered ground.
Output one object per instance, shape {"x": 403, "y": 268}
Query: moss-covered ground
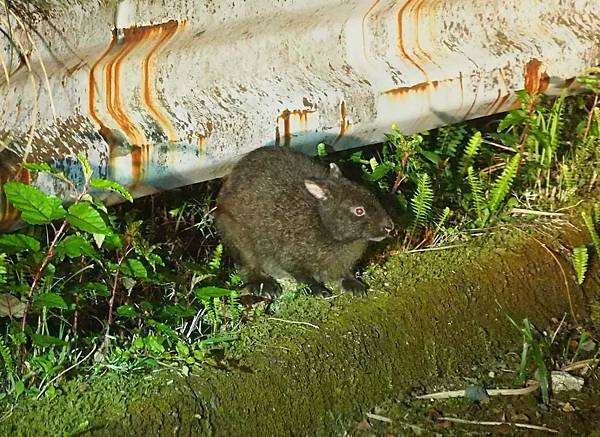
{"x": 432, "y": 321}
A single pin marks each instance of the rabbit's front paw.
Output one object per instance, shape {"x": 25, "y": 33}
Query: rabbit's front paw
{"x": 265, "y": 287}
{"x": 354, "y": 286}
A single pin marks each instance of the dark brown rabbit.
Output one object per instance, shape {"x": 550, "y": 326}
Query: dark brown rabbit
{"x": 281, "y": 213}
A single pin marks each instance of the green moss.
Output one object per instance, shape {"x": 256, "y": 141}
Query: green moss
{"x": 430, "y": 316}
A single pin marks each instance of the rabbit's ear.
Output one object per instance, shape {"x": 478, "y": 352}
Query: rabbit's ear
{"x": 334, "y": 171}
{"x": 317, "y": 190}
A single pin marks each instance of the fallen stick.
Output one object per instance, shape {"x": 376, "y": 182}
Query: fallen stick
{"x": 484, "y": 423}
{"x": 534, "y": 385}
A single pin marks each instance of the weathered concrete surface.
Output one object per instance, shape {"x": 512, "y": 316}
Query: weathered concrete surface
{"x": 429, "y": 319}
{"x": 163, "y": 94}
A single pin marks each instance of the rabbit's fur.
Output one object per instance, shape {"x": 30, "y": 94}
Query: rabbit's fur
{"x": 282, "y": 213}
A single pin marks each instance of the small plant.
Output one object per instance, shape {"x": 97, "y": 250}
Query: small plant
{"x": 421, "y": 202}
{"x": 98, "y": 287}
{"x": 533, "y": 343}
{"x": 580, "y": 262}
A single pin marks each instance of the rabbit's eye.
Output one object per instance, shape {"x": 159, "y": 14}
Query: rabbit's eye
{"x": 359, "y": 211}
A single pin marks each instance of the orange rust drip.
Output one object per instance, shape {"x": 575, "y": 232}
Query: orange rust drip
{"x": 401, "y": 37}
{"x": 137, "y": 157}
{"x": 285, "y": 115}
{"x": 418, "y": 18}
{"x": 536, "y": 78}
{"x": 364, "y": 19}
{"x": 420, "y": 87}
{"x": 165, "y": 32}
{"x": 344, "y": 122}
{"x": 201, "y": 143}
{"x": 114, "y": 104}
{"x": 92, "y": 87}
{"x": 287, "y": 135}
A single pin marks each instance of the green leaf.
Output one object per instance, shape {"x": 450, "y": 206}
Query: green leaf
{"x": 103, "y": 184}
{"x": 126, "y": 311}
{"x": 15, "y": 243}
{"x": 138, "y": 343}
{"x": 19, "y": 388}
{"x": 96, "y": 289}
{"x": 513, "y": 118}
{"x": 161, "y": 327}
{"x": 85, "y": 217}
{"x": 44, "y": 167}
{"x": 432, "y": 156}
{"x": 154, "y": 345}
{"x": 133, "y": 267}
{"x": 36, "y": 207}
{"x": 49, "y": 300}
{"x": 379, "y": 171}
{"x": 11, "y": 306}
{"x": 46, "y": 340}
{"x": 112, "y": 242}
{"x": 182, "y": 349}
{"x": 75, "y": 246}
{"x": 86, "y": 167}
{"x": 210, "y": 292}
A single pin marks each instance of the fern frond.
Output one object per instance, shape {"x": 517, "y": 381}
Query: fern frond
{"x": 477, "y": 190}
{"x": 441, "y": 221}
{"x": 215, "y": 262}
{"x": 3, "y": 269}
{"x": 9, "y": 365}
{"x": 580, "y": 262}
{"x": 555, "y": 124}
{"x": 470, "y": 152}
{"x": 589, "y": 224}
{"x": 568, "y": 177}
{"x": 450, "y": 138}
{"x": 422, "y": 201}
{"x": 503, "y": 184}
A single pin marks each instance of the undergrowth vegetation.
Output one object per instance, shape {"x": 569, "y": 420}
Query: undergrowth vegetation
{"x": 86, "y": 290}
{"x": 532, "y": 161}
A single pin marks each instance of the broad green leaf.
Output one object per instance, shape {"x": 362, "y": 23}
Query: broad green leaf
{"x": 112, "y": 242}
{"x": 153, "y": 344}
{"x": 86, "y": 167}
{"x": 182, "y": 349}
{"x": 19, "y": 388}
{"x": 134, "y": 267}
{"x": 84, "y": 217}
{"x": 11, "y": 306}
{"x": 97, "y": 289}
{"x": 380, "y": 171}
{"x": 161, "y": 327}
{"x": 15, "y": 243}
{"x": 36, "y": 207}
{"x": 103, "y": 184}
{"x": 432, "y": 156}
{"x": 138, "y": 343}
{"x": 46, "y": 340}
{"x": 49, "y": 300}
{"x": 75, "y": 246}
{"x": 209, "y": 292}
{"x": 126, "y": 311}
{"x": 45, "y": 168}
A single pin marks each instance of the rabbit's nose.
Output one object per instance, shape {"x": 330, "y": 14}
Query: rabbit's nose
{"x": 388, "y": 227}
